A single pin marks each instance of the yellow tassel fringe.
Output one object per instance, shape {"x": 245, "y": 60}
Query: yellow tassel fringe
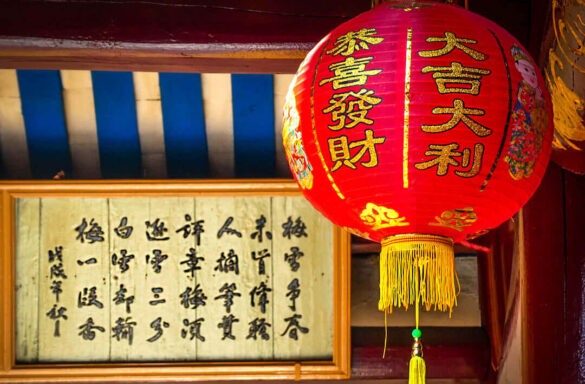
{"x": 418, "y": 268}
{"x": 417, "y": 370}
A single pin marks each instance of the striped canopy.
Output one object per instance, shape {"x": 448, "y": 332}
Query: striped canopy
{"x": 93, "y": 124}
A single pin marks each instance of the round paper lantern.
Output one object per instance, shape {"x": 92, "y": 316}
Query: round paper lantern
{"x": 418, "y": 124}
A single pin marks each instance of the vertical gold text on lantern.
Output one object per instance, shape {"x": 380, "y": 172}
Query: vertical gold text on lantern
{"x": 406, "y": 107}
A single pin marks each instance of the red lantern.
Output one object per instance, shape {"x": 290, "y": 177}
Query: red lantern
{"x": 418, "y": 124}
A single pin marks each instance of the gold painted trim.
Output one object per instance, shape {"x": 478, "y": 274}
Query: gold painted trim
{"x": 558, "y": 23}
{"x": 406, "y": 108}
{"x": 416, "y": 237}
{"x": 313, "y": 125}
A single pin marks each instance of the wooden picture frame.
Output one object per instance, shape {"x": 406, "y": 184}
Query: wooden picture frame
{"x": 10, "y": 371}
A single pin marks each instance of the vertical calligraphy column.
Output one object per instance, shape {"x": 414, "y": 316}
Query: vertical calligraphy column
{"x": 158, "y": 280}
{"x": 187, "y": 231}
{"x": 74, "y": 302}
{"x": 303, "y": 287}
{"x": 237, "y": 277}
{"x": 27, "y": 279}
{"x": 127, "y": 274}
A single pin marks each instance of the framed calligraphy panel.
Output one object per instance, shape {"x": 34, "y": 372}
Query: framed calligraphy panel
{"x": 151, "y": 280}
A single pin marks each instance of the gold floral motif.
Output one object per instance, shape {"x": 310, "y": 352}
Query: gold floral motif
{"x": 379, "y": 217}
{"x": 567, "y": 100}
{"x": 568, "y": 107}
{"x": 456, "y": 219}
{"x": 569, "y": 33}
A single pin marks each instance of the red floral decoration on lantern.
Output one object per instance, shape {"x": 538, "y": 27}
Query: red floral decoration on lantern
{"x": 418, "y": 124}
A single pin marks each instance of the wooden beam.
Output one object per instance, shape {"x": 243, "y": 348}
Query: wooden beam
{"x": 573, "y": 351}
{"x": 494, "y": 270}
{"x": 543, "y": 281}
{"x": 167, "y": 35}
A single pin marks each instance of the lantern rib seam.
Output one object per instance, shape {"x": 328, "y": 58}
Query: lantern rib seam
{"x": 505, "y": 135}
{"x": 313, "y": 125}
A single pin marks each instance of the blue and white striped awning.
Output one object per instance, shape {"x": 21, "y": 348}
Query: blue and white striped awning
{"x": 94, "y": 124}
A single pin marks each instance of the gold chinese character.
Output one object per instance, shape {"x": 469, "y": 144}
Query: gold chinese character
{"x": 459, "y": 75}
{"x": 456, "y": 219}
{"x": 476, "y": 163}
{"x": 452, "y": 42}
{"x": 459, "y": 114}
{"x": 350, "y": 72}
{"x": 352, "y": 41}
{"x": 351, "y": 106}
{"x": 339, "y": 148}
{"x": 445, "y": 157}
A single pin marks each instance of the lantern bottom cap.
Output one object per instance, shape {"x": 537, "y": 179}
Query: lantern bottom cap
{"x": 417, "y": 237}
{"x": 418, "y": 268}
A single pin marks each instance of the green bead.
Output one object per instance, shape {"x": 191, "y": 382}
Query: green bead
{"x": 416, "y": 333}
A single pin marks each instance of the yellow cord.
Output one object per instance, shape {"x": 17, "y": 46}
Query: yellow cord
{"x": 385, "y": 333}
{"x": 417, "y": 290}
{"x": 417, "y": 370}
